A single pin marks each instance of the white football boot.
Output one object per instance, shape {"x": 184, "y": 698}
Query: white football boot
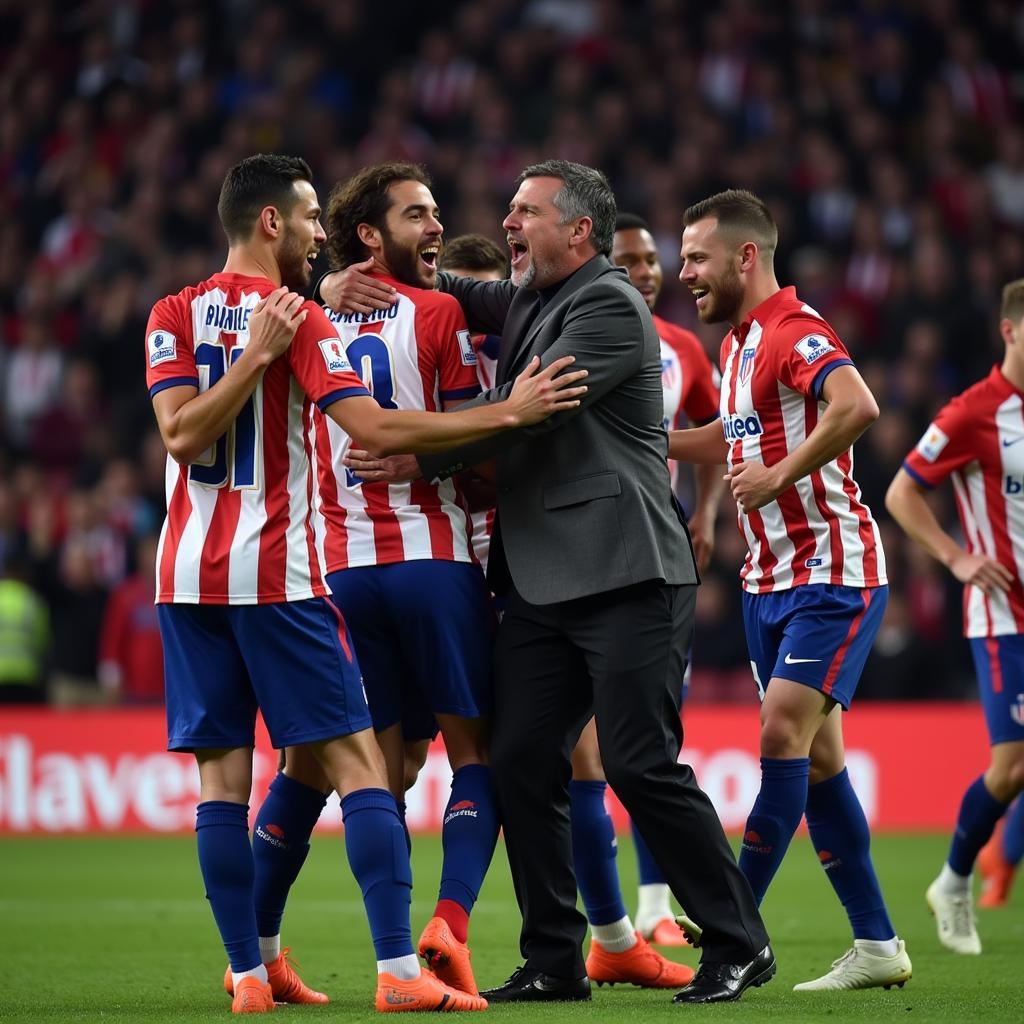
{"x": 954, "y": 917}
{"x": 857, "y": 968}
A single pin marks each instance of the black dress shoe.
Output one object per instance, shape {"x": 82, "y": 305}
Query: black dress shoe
{"x": 721, "y": 983}
{"x": 529, "y": 986}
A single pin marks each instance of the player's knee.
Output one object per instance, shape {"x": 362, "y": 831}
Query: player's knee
{"x": 782, "y": 737}
{"x": 1006, "y": 780}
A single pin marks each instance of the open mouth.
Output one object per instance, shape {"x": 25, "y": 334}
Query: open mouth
{"x": 519, "y": 251}
{"x": 311, "y": 257}
{"x": 429, "y": 256}
{"x": 701, "y": 296}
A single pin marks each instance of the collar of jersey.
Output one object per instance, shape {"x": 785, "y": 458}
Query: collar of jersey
{"x": 762, "y": 311}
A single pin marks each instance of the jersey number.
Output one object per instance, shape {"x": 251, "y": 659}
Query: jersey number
{"x": 233, "y": 454}
{"x": 371, "y": 359}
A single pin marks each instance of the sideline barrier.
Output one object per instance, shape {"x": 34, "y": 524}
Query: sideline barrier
{"x": 105, "y": 771}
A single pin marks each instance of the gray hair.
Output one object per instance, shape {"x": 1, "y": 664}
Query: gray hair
{"x": 585, "y": 192}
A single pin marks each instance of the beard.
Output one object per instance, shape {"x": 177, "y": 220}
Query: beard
{"x": 291, "y": 261}
{"x": 726, "y": 299}
{"x": 405, "y": 263}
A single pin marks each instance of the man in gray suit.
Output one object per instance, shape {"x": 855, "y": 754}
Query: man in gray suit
{"x": 591, "y": 553}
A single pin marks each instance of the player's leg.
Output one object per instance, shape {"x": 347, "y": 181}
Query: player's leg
{"x": 1000, "y": 857}
{"x": 211, "y": 710}
{"x": 324, "y": 707}
{"x": 839, "y": 832}
{"x": 986, "y": 800}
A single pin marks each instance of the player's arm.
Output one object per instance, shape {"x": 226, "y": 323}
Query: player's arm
{"x": 709, "y": 483}
{"x": 905, "y": 502}
{"x": 189, "y": 420}
{"x": 850, "y": 411}
{"x": 700, "y": 446}
{"x": 535, "y": 395}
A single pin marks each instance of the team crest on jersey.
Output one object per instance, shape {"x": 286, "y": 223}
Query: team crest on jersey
{"x": 1017, "y": 710}
{"x": 746, "y": 364}
{"x": 466, "y": 349}
{"x": 334, "y": 355}
{"x": 813, "y": 347}
{"x": 930, "y": 446}
{"x": 162, "y": 347}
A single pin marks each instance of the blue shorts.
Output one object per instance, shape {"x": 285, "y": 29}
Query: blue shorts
{"x": 818, "y": 634}
{"x": 294, "y": 661}
{"x": 423, "y": 632}
{"x": 999, "y": 662}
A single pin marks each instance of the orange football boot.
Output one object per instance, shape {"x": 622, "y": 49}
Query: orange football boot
{"x": 667, "y": 933}
{"x": 640, "y": 965}
{"x": 447, "y": 957}
{"x": 285, "y": 983}
{"x": 423, "y": 993}
{"x": 996, "y": 872}
{"x": 253, "y": 996}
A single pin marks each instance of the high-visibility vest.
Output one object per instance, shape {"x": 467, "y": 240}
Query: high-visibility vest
{"x": 24, "y": 633}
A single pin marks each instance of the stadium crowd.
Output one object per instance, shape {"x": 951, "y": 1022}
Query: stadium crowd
{"x": 884, "y": 134}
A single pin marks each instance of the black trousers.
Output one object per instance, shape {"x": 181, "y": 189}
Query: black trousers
{"x": 620, "y": 656}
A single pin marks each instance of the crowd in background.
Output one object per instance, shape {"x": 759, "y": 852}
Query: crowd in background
{"x": 885, "y": 135}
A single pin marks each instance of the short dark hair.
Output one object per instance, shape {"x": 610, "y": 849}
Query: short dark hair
{"x": 740, "y": 212}
{"x": 630, "y": 222}
{"x": 1012, "y": 306}
{"x": 473, "y": 252}
{"x": 363, "y": 199}
{"x": 266, "y": 179}
{"x": 585, "y": 192}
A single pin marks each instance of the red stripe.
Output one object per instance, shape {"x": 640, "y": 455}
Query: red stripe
{"x": 767, "y": 560}
{"x": 314, "y": 562}
{"x": 273, "y": 567}
{"x": 178, "y": 511}
{"x": 835, "y": 536}
{"x": 216, "y": 556}
{"x": 994, "y": 667}
{"x": 336, "y": 540}
{"x": 439, "y": 527}
{"x": 864, "y": 528}
{"x": 998, "y": 519}
{"x": 387, "y": 535}
{"x": 837, "y": 661}
{"x": 342, "y": 629}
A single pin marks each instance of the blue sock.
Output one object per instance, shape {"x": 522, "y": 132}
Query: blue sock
{"x": 280, "y": 842}
{"x": 225, "y": 859}
{"x": 647, "y": 866}
{"x": 979, "y": 812}
{"x": 469, "y": 833}
{"x": 773, "y": 819}
{"x": 1013, "y": 833}
{"x": 379, "y": 858}
{"x": 593, "y": 853}
{"x": 839, "y": 832}
{"x": 400, "y": 804}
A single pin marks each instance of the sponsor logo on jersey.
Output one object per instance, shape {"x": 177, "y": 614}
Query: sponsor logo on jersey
{"x": 334, "y": 355}
{"x": 1017, "y": 710}
{"x": 813, "y": 347}
{"x": 162, "y": 346}
{"x": 746, "y": 364}
{"x": 1013, "y": 486}
{"x": 737, "y": 427}
{"x": 466, "y": 349}
{"x": 812, "y": 563}
{"x": 930, "y": 446}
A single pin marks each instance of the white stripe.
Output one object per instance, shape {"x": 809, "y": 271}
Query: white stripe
{"x": 297, "y": 577}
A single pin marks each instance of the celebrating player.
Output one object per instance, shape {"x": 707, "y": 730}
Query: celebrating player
{"x": 242, "y": 603}
{"x": 814, "y": 581}
{"x": 974, "y": 439}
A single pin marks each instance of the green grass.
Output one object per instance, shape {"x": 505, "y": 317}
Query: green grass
{"x": 116, "y": 930}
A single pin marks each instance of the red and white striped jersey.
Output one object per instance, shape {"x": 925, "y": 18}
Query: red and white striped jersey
{"x": 416, "y": 355}
{"x": 239, "y": 524}
{"x": 818, "y": 530}
{"x": 978, "y": 439}
{"x": 487, "y": 348}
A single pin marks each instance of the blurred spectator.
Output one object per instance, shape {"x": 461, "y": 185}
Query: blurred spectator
{"x": 24, "y": 636}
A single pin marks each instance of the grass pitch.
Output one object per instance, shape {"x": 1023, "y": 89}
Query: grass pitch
{"x": 116, "y": 930}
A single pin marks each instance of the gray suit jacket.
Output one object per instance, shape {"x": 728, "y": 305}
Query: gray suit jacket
{"x": 585, "y": 503}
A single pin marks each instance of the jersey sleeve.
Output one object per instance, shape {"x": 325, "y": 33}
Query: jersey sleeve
{"x": 170, "y": 359}
{"x": 806, "y": 350}
{"x": 700, "y": 380}
{"x": 947, "y": 445}
{"x": 318, "y": 360}
{"x": 445, "y": 330}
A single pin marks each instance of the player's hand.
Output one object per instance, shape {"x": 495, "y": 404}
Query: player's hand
{"x": 753, "y": 485}
{"x": 702, "y": 536}
{"x": 981, "y": 571}
{"x": 352, "y": 290}
{"x": 394, "y": 469}
{"x": 536, "y": 393}
{"x": 273, "y": 323}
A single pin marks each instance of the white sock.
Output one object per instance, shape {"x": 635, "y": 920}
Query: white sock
{"x": 404, "y": 968}
{"x": 952, "y": 884}
{"x": 257, "y": 972}
{"x": 653, "y": 905}
{"x": 879, "y": 947}
{"x": 270, "y": 947}
{"x": 616, "y": 937}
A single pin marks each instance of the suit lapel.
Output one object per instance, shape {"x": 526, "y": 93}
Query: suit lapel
{"x": 519, "y": 336}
